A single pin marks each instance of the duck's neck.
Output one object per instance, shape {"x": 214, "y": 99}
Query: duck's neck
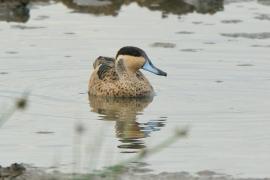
{"x": 123, "y": 71}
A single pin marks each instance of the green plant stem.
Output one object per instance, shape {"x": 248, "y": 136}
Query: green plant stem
{"x": 6, "y": 115}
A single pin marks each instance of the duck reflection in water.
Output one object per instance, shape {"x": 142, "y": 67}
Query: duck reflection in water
{"x": 124, "y": 112}
{"x": 18, "y": 10}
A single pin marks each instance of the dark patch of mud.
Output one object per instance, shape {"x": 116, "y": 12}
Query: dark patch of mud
{"x": 209, "y": 42}
{"x": 231, "y": 21}
{"x": 263, "y": 46}
{"x": 191, "y": 50}
{"x": 264, "y": 2}
{"x": 184, "y": 32}
{"x": 45, "y": 132}
{"x": 253, "y": 9}
{"x": 263, "y": 35}
{"x": 208, "y": 173}
{"x": 197, "y": 22}
{"x": 245, "y": 65}
{"x": 42, "y": 17}
{"x": 32, "y": 173}
{"x": 11, "y": 52}
{"x": 69, "y": 33}
{"x": 232, "y": 40}
{"x": 219, "y": 81}
{"x": 163, "y": 45}
{"x": 23, "y": 27}
{"x": 12, "y": 171}
{"x": 263, "y": 17}
{"x": 3, "y": 73}
{"x": 209, "y": 24}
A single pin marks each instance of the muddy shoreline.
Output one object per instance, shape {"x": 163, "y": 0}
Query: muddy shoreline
{"x": 26, "y": 172}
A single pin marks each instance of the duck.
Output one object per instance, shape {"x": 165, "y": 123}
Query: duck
{"x": 121, "y": 76}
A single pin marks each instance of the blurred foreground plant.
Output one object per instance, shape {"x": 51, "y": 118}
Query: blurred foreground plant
{"x": 20, "y": 104}
{"x": 113, "y": 172}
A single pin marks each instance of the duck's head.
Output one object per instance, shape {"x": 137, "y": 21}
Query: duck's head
{"x": 134, "y": 58}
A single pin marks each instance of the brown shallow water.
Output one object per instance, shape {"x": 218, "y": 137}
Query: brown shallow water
{"x": 216, "y": 55}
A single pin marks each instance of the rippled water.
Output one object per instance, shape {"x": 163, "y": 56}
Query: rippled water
{"x": 216, "y": 54}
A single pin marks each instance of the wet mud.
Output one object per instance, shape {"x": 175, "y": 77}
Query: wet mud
{"x": 26, "y": 172}
{"x": 263, "y": 35}
{"x": 163, "y": 45}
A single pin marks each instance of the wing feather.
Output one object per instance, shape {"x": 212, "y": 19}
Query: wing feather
{"x": 103, "y": 60}
{"x": 106, "y": 68}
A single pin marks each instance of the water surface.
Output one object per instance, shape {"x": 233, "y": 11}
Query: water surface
{"x": 216, "y": 54}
